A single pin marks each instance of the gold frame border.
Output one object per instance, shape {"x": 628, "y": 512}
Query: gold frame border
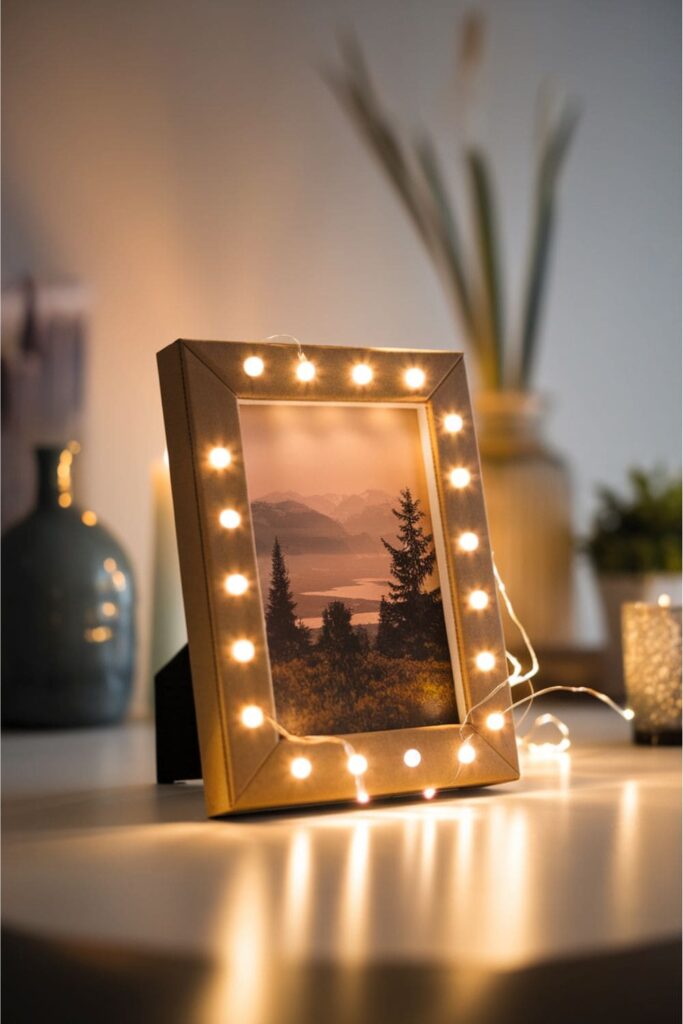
{"x": 244, "y": 769}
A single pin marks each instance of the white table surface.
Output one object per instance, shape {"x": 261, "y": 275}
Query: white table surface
{"x": 581, "y": 856}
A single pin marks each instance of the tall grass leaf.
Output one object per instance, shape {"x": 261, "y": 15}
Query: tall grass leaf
{"x": 374, "y": 128}
{"x": 446, "y": 229}
{"x": 486, "y": 234}
{"x": 552, "y": 156}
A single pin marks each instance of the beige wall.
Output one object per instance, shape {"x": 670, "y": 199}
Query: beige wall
{"x": 184, "y": 160}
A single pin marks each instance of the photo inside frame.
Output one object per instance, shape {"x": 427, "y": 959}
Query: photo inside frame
{"x": 347, "y": 567}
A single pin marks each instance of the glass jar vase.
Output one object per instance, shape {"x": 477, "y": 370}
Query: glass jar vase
{"x": 68, "y": 636}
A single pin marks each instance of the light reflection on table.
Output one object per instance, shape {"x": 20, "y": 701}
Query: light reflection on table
{"x": 581, "y": 855}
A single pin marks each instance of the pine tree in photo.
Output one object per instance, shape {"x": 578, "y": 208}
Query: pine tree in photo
{"x": 340, "y": 648}
{"x": 435, "y": 627}
{"x": 363, "y": 640}
{"x": 411, "y": 619}
{"x": 388, "y": 640}
{"x": 338, "y": 637}
{"x": 304, "y": 641}
{"x": 287, "y": 637}
{"x": 413, "y": 562}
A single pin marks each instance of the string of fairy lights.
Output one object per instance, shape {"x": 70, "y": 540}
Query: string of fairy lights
{"x": 243, "y": 650}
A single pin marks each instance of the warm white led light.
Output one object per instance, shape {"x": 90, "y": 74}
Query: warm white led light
{"x": 429, "y": 793}
{"x": 357, "y": 764}
{"x": 495, "y": 721}
{"x": 361, "y": 374}
{"x": 220, "y": 458}
{"x": 253, "y": 366}
{"x": 460, "y": 477}
{"x": 664, "y": 601}
{"x": 629, "y": 714}
{"x": 305, "y": 371}
{"x": 412, "y": 758}
{"x": 236, "y": 584}
{"x": 243, "y": 650}
{"x": 466, "y": 754}
{"x": 415, "y": 377}
{"x": 301, "y": 767}
{"x": 468, "y": 541}
{"x": 363, "y": 798}
{"x": 485, "y": 661}
{"x": 453, "y": 423}
{"x": 252, "y": 716}
{"x": 478, "y": 600}
{"x": 118, "y": 578}
{"x": 230, "y": 519}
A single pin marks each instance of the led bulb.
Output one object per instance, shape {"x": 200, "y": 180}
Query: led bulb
{"x": 252, "y": 716}
{"x": 478, "y": 600}
{"x": 429, "y": 793}
{"x": 466, "y": 754}
{"x": 495, "y": 721}
{"x": 412, "y": 758}
{"x": 236, "y": 584}
{"x": 664, "y": 601}
{"x": 301, "y": 767}
{"x": 243, "y": 650}
{"x": 415, "y": 377}
{"x": 485, "y": 661}
{"x": 361, "y": 374}
{"x": 253, "y": 366}
{"x": 468, "y": 541}
{"x": 357, "y": 764}
{"x": 453, "y": 423}
{"x": 305, "y": 371}
{"x": 220, "y": 458}
{"x": 89, "y": 518}
{"x": 629, "y": 714}
{"x": 363, "y": 798}
{"x": 460, "y": 477}
{"x": 229, "y": 519}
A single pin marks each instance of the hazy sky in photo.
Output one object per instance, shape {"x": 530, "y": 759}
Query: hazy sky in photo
{"x": 316, "y": 449}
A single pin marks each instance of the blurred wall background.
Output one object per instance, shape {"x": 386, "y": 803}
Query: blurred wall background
{"x": 184, "y": 160}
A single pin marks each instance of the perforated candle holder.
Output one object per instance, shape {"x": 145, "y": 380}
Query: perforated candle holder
{"x": 651, "y": 636}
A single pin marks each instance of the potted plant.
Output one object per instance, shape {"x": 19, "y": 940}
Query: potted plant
{"x": 527, "y": 487}
{"x": 635, "y": 547}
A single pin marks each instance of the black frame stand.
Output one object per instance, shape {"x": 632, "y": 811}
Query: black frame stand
{"x": 177, "y": 742}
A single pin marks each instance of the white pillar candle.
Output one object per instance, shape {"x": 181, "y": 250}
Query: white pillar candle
{"x": 169, "y": 633}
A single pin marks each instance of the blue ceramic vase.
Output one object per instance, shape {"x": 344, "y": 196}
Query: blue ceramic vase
{"x": 68, "y": 615}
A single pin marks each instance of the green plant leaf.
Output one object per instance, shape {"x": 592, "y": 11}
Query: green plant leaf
{"x": 642, "y": 532}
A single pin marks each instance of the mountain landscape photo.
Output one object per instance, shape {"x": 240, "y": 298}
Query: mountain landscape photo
{"x": 337, "y": 553}
{"x": 347, "y": 569}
